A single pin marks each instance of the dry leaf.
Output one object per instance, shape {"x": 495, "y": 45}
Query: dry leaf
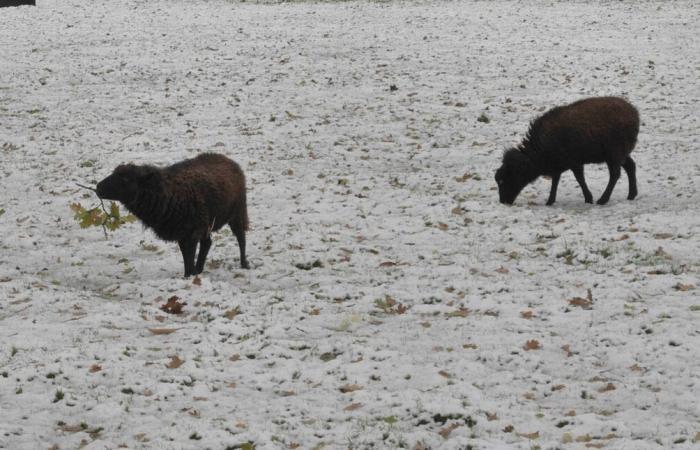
{"x": 571, "y": 413}
{"x": 287, "y": 393}
{"x": 425, "y": 324}
{"x": 582, "y": 302}
{"x": 95, "y": 368}
{"x": 387, "y": 264}
{"x": 567, "y": 349}
{"x": 173, "y": 306}
{"x": 442, "y": 226}
{"x": 353, "y": 407}
{"x": 607, "y": 388}
{"x": 532, "y": 344}
{"x": 508, "y": 429}
{"x": 535, "y": 435}
{"x": 584, "y": 438}
{"x": 502, "y": 270}
{"x": 470, "y": 346}
{"x": 491, "y": 416}
{"x": 558, "y": 387}
{"x": 420, "y": 445}
{"x": 174, "y": 363}
{"x": 197, "y": 281}
{"x": 621, "y": 238}
{"x": 232, "y": 313}
{"x": 527, "y": 314}
{"x": 162, "y": 330}
{"x": 445, "y": 432}
{"x": 445, "y": 374}
{"x": 350, "y": 388}
{"x": 461, "y": 312}
{"x": 663, "y": 235}
{"x": 235, "y": 357}
{"x": 684, "y": 287}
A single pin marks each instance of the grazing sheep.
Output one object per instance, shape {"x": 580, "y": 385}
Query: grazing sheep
{"x": 593, "y": 130}
{"x": 184, "y": 202}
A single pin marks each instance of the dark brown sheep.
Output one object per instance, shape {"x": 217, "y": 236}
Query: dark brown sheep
{"x": 184, "y": 202}
{"x": 593, "y": 130}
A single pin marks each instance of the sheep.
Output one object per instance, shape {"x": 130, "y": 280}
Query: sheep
{"x": 592, "y": 130}
{"x": 184, "y": 202}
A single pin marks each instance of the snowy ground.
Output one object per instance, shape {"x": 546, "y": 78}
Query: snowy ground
{"x": 438, "y": 318}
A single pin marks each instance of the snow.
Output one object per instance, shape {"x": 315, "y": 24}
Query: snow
{"x": 429, "y": 288}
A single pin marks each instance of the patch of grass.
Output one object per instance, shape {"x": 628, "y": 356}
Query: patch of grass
{"x": 58, "y": 396}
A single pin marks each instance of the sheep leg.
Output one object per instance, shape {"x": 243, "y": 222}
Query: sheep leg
{"x": 553, "y": 190}
{"x": 578, "y": 173}
{"x": 239, "y": 231}
{"x": 631, "y": 171}
{"x": 614, "y": 170}
{"x": 188, "y": 248}
{"x": 204, "y": 246}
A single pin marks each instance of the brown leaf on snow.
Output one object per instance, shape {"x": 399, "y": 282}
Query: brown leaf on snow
{"x": 461, "y": 312}
{"x": 95, "y": 368}
{"x": 420, "y": 445}
{"x": 571, "y": 413}
{"x": 470, "y": 346}
{"x": 502, "y": 270}
{"x": 159, "y": 331}
{"x": 174, "y": 363}
{"x": 567, "y": 349}
{"x": 663, "y": 235}
{"x": 491, "y": 416}
{"x": 232, "y": 313}
{"x": 527, "y": 314}
{"x": 621, "y": 238}
{"x": 353, "y": 407}
{"x": 442, "y": 226}
{"x": 387, "y": 264}
{"x": 585, "y": 303}
{"x": 532, "y": 344}
{"x": 607, "y": 388}
{"x": 445, "y": 374}
{"x": 684, "y": 287}
{"x": 445, "y": 432}
{"x": 350, "y": 388}
{"x": 558, "y": 387}
{"x": 425, "y": 324}
{"x": 197, "y": 281}
{"x": 235, "y": 357}
{"x": 535, "y": 435}
{"x": 173, "y": 306}
{"x": 508, "y": 429}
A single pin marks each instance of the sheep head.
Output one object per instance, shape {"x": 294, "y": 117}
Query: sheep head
{"x": 513, "y": 175}
{"x": 127, "y": 180}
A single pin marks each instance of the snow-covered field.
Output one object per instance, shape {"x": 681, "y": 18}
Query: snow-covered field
{"x": 392, "y": 301}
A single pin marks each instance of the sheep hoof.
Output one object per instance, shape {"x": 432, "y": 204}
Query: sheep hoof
{"x": 632, "y": 196}
{"x": 245, "y": 265}
{"x": 602, "y": 201}
{"x": 550, "y": 202}
{"x": 589, "y": 200}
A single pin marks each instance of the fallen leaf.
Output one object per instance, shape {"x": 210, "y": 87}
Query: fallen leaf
{"x": 232, "y": 313}
{"x": 445, "y": 432}
{"x": 621, "y": 238}
{"x": 491, "y": 416}
{"x": 387, "y": 264}
{"x": 173, "y": 306}
{"x": 527, "y": 314}
{"x": 350, "y": 388}
{"x": 461, "y": 312}
{"x": 174, "y": 363}
{"x": 442, "y": 226}
{"x": 532, "y": 344}
{"x": 197, "y": 281}
{"x": 607, "y": 388}
{"x": 425, "y": 324}
{"x": 502, "y": 270}
{"x": 684, "y": 287}
{"x": 663, "y": 235}
{"x": 235, "y": 357}
{"x": 535, "y": 435}
{"x": 353, "y": 407}
{"x": 95, "y": 368}
{"x": 508, "y": 429}
{"x": 445, "y": 374}
{"x": 558, "y": 387}
{"x": 162, "y": 330}
{"x": 470, "y": 346}
{"x": 571, "y": 413}
{"x": 584, "y": 438}
{"x": 567, "y": 349}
